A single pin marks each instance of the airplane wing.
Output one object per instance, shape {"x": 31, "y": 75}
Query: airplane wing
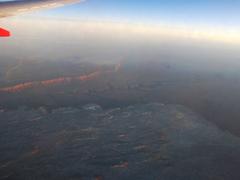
{"x": 12, "y": 8}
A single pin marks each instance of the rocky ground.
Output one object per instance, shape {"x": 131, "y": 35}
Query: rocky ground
{"x": 150, "y": 141}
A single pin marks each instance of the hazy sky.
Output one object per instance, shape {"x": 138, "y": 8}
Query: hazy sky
{"x": 176, "y": 26}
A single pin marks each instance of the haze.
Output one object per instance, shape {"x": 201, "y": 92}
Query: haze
{"x": 122, "y": 90}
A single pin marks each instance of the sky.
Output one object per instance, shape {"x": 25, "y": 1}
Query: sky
{"x": 217, "y": 20}
{"x": 211, "y": 13}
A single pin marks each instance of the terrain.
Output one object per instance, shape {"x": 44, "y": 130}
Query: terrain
{"x": 148, "y": 141}
{"x": 33, "y": 84}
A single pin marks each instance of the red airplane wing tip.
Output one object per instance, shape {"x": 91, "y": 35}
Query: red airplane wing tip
{"x": 4, "y": 33}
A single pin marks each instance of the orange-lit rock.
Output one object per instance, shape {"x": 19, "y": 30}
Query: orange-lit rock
{"x": 56, "y": 81}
